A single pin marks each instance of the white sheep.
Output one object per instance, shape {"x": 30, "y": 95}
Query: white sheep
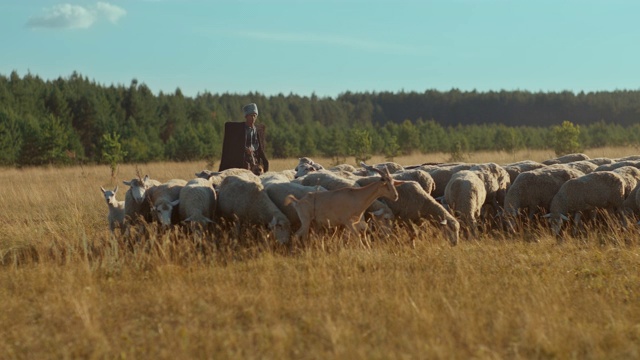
{"x": 597, "y": 190}
{"x": 116, "y": 208}
{"x": 585, "y": 166}
{"x": 197, "y": 203}
{"x": 514, "y": 169}
{"x": 532, "y": 191}
{"x": 465, "y": 195}
{"x": 135, "y": 206}
{"x": 567, "y": 159}
{"x": 242, "y": 199}
{"x": 392, "y": 167}
{"x": 415, "y": 205}
{"x": 343, "y": 167}
{"x": 618, "y": 164}
{"x": 344, "y": 206}
{"x": 496, "y": 181}
{"x": 420, "y": 176}
{"x": 305, "y": 166}
{"x": 441, "y": 174}
{"x": 631, "y": 176}
{"x": 164, "y": 200}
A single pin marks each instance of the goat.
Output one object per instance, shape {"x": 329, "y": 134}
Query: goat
{"x": 343, "y": 206}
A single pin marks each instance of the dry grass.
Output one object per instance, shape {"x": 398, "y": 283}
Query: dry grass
{"x": 69, "y": 290}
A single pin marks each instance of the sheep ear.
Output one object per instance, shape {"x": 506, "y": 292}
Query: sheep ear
{"x": 103, "y": 190}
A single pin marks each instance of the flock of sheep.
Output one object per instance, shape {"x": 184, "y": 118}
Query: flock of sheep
{"x": 461, "y": 198}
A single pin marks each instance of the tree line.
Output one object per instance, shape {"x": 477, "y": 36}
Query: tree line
{"x": 76, "y": 120}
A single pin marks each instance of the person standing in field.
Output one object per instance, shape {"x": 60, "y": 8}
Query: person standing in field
{"x": 243, "y": 144}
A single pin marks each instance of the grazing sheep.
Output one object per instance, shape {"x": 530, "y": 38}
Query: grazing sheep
{"x": 242, "y": 199}
{"x": 216, "y": 177}
{"x": 585, "y": 166}
{"x": 420, "y": 176}
{"x": 601, "y": 161}
{"x": 532, "y": 191}
{"x": 277, "y": 177}
{"x": 442, "y": 174}
{"x": 631, "y": 202}
{"x": 415, "y": 205}
{"x": 392, "y": 167}
{"x": 567, "y": 159}
{"x": 343, "y": 167}
{"x": 514, "y": 169}
{"x": 619, "y": 164}
{"x": 343, "y": 206}
{"x": 116, "y": 208}
{"x": 164, "y": 200}
{"x": 631, "y": 176}
{"x": 278, "y": 192}
{"x": 597, "y": 190}
{"x": 197, "y": 200}
{"x": 135, "y": 206}
{"x": 465, "y": 194}
{"x": 496, "y": 181}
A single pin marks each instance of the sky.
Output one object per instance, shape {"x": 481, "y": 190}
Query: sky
{"x": 327, "y": 47}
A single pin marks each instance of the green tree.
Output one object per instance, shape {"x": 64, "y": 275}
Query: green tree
{"x": 10, "y": 139}
{"x": 565, "y": 138}
{"x": 360, "y": 146}
{"x": 112, "y": 152}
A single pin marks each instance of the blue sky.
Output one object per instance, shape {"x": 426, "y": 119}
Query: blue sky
{"x": 327, "y": 47}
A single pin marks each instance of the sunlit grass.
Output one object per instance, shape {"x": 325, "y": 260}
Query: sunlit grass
{"x": 69, "y": 289}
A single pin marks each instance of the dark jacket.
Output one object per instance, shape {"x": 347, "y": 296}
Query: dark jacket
{"x": 233, "y": 146}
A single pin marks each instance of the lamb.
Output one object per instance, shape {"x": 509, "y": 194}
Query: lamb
{"x": 415, "y": 205}
{"x": 197, "y": 200}
{"x": 164, "y": 200}
{"x": 116, "y": 208}
{"x": 242, "y": 199}
{"x": 135, "y": 206}
{"x": 597, "y": 190}
{"x": 465, "y": 194}
{"x": 532, "y": 191}
{"x": 567, "y": 159}
{"x": 343, "y": 206}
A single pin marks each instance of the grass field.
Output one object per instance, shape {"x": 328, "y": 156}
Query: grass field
{"x": 70, "y": 290}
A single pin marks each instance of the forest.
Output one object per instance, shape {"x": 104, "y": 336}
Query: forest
{"x": 74, "y": 120}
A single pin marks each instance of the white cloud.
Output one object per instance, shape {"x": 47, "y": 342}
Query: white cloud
{"x": 68, "y": 16}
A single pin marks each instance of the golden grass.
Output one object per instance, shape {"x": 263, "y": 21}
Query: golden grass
{"x": 70, "y": 290}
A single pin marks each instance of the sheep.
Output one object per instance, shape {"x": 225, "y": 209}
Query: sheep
{"x": 135, "y": 206}
{"x": 242, "y": 199}
{"x": 465, "y": 194}
{"x": 420, "y": 176}
{"x": 343, "y": 167}
{"x": 631, "y": 202}
{"x": 601, "y": 161}
{"x": 197, "y": 200}
{"x": 442, "y": 174}
{"x": 164, "y": 200}
{"x": 618, "y": 164}
{"x": 278, "y": 191}
{"x": 216, "y": 177}
{"x": 343, "y": 206}
{"x": 584, "y": 166}
{"x": 277, "y": 177}
{"x": 631, "y": 176}
{"x": 496, "y": 181}
{"x": 392, "y": 167}
{"x": 514, "y": 169}
{"x": 116, "y": 208}
{"x": 597, "y": 190}
{"x": 566, "y": 159}
{"x": 414, "y": 204}
{"x": 532, "y": 191}
{"x": 306, "y": 165}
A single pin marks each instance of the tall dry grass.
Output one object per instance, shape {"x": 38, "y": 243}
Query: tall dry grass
{"x": 70, "y": 290}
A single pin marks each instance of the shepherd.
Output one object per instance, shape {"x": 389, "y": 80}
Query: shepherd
{"x": 243, "y": 144}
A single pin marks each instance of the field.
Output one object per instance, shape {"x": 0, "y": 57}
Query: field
{"x": 70, "y": 290}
